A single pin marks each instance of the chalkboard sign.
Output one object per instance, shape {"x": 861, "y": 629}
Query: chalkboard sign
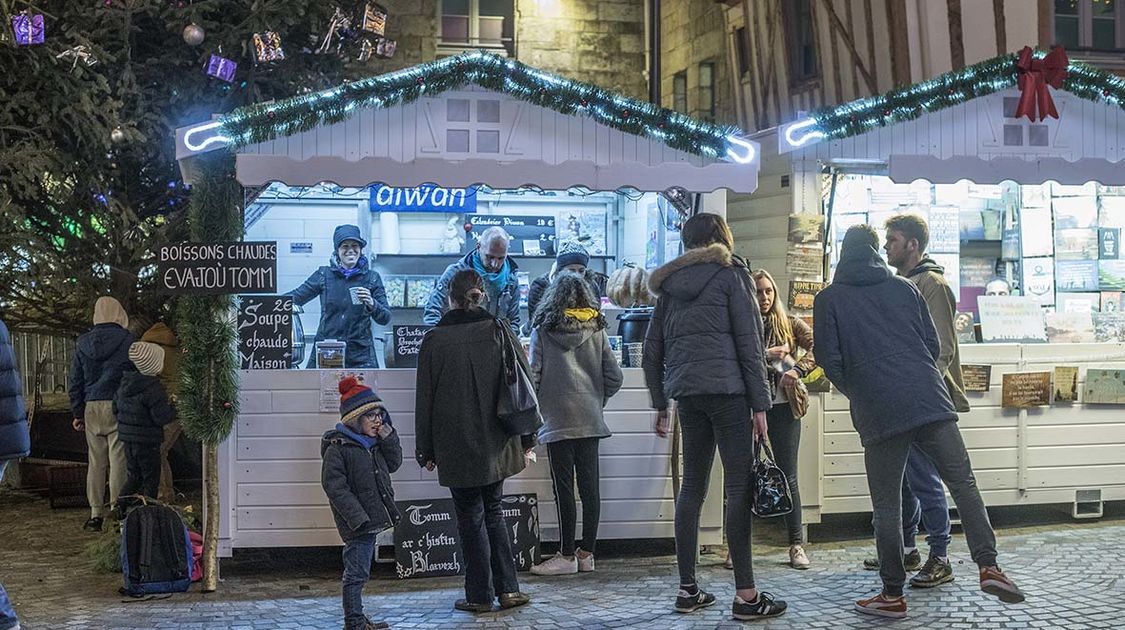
{"x": 407, "y": 344}
{"x": 426, "y": 542}
{"x": 217, "y": 268}
{"x": 265, "y": 332}
{"x": 531, "y": 235}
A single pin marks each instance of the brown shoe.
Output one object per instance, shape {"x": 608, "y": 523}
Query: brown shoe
{"x": 512, "y": 600}
{"x": 472, "y": 607}
{"x": 994, "y": 582}
{"x": 883, "y": 605}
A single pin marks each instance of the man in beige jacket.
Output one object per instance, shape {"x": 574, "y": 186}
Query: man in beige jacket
{"x": 923, "y": 496}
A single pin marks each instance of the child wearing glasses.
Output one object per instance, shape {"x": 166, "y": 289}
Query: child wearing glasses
{"x": 359, "y": 455}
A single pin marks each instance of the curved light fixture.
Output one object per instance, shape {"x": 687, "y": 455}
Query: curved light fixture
{"x": 803, "y": 132}
{"x": 746, "y": 155}
{"x": 206, "y": 139}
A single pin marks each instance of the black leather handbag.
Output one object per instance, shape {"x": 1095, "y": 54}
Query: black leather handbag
{"x": 517, "y": 407}
{"x": 771, "y": 488}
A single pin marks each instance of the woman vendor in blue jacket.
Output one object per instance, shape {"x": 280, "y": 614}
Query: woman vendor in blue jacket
{"x": 351, "y": 295}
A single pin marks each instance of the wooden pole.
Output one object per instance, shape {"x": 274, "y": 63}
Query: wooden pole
{"x": 211, "y": 518}
{"x": 210, "y": 501}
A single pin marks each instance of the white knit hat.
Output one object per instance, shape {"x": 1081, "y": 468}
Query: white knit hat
{"x": 148, "y": 357}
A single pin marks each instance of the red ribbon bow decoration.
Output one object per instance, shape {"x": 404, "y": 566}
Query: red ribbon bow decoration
{"x": 1034, "y": 77}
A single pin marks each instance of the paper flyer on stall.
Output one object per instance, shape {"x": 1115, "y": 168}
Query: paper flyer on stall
{"x": 330, "y": 386}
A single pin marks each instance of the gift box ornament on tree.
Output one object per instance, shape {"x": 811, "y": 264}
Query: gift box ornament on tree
{"x": 28, "y": 29}
{"x": 267, "y": 47}
{"x": 385, "y": 48}
{"x": 221, "y": 68}
{"x": 374, "y": 19}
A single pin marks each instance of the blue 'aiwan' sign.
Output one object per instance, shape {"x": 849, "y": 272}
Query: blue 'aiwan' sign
{"x": 428, "y": 198}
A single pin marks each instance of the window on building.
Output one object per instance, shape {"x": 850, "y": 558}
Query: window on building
{"x": 803, "y": 63}
{"x": 707, "y": 90}
{"x": 742, "y": 50}
{"x": 679, "y": 92}
{"x": 1090, "y": 24}
{"x": 468, "y": 24}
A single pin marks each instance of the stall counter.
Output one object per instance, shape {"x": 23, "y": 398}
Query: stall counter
{"x": 270, "y": 466}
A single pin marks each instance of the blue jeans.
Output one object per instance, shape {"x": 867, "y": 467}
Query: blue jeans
{"x": 357, "y": 569}
{"x": 923, "y": 500}
{"x": 7, "y": 613}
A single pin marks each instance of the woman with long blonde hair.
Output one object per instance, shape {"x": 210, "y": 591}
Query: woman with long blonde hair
{"x": 784, "y": 337}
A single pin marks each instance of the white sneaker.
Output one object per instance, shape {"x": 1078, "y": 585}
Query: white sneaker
{"x": 585, "y": 565}
{"x": 556, "y": 565}
{"x": 797, "y": 557}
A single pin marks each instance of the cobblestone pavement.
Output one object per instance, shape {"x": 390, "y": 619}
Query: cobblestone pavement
{"x": 52, "y": 586}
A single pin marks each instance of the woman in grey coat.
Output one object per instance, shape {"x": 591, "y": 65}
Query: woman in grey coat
{"x": 704, "y": 349}
{"x": 458, "y": 432}
{"x": 575, "y": 374}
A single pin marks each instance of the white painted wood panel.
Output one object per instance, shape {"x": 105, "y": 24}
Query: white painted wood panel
{"x": 271, "y": 466}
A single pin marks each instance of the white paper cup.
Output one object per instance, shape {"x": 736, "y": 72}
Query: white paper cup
{"x": 354, "y": 291}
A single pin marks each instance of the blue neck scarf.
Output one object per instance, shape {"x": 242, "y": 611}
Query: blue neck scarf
{"x": 364, "y": 441}
{"x": 497, "y": 280}
{"x": 360, "y": 266}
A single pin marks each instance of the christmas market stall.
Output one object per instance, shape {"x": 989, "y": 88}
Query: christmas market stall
{"x": 419, "y": 161}
{"x": 1016, "y": 164}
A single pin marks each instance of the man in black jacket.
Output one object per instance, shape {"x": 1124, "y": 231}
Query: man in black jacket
{"x": 877, "y": 343}
{"x": 491, "y": 260}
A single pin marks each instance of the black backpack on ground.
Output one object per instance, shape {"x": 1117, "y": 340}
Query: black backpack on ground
{"x": 155, "y": 551}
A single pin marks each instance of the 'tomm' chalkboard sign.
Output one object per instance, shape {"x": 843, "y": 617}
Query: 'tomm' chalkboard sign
{"x": 217, "y": 268}
{"x": 265, "y": 332}
{"x": 427, "y": 545}
{"x": 407, "y": 343}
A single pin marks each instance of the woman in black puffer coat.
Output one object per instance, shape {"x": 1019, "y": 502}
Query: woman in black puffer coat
{"x": 704, "y": 349}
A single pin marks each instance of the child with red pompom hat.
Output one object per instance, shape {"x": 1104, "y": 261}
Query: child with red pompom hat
{"x": 359, "y": 455}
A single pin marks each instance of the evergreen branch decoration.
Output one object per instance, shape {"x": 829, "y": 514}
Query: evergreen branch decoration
{"x": 953, "y": 88}
{"x": 266, "y": 121}
{"x": 208, "y": 400}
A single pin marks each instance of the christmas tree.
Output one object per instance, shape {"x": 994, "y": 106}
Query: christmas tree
{"x": 89, "y": 186}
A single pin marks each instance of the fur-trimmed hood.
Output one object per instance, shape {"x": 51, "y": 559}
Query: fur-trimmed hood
{"x": 685, "y": 277}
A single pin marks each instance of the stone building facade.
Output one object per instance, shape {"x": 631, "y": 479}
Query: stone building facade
{"x": 694, "y": 69}
{"x": 597, "y": 41}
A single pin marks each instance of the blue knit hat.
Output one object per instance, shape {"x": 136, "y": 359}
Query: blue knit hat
{"x": 356, "y": 399}
{"x": 347, "y": 233}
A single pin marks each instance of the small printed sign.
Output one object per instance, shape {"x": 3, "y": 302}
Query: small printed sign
{"x": 427, "y": 198}
{"x": 1066, "y": 383}
{"x": 976, "y": 378}
{"x": 1023, "y": 390}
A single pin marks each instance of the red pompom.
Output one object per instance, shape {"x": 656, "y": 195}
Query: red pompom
{"x": 347, "y": 384}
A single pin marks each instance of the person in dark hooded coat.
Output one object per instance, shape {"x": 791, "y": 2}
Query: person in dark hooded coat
{"x": 100, "y": 358}
{"x": 877, "y": 343}
{"x": 358, "y": 457}
{"x": 343, "y": 317}
{"x": 575, "y": 373}
{"x": 704, "y": 348}
{"x": 14, "y": 439}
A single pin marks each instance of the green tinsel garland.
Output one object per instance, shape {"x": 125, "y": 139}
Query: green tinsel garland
{"x": 208, "y": 399}
{"x": 266, "y": 121}
{"x": 954, "y": 88}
